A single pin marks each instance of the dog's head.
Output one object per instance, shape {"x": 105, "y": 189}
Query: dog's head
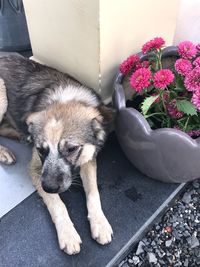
{"x": 67, "y": 136}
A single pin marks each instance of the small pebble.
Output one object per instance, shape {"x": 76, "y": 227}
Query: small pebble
{"x": 136, "y": 259}
{"x": 186, "y": 198}
{"x": 193, "y": 241}
{"x": 175, "y": 240}
{"x": 140, "y": 248}
{"x": 151, "y": 257}
{"x": 168, "y": 242}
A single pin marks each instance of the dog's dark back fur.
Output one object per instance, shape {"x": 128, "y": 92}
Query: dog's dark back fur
{"x": 28, "y": 86}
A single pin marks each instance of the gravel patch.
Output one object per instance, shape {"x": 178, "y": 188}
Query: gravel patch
{"x": 175, "y": 240}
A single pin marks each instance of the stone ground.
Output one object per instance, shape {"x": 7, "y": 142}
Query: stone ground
{"x": 175, "y": 240}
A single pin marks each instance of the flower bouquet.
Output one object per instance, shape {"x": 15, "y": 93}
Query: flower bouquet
{"x": 166, "y": 96}
{"x": 158, "y": 128}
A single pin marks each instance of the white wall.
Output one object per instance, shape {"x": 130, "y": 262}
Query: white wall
{"x": 188, "y": 21}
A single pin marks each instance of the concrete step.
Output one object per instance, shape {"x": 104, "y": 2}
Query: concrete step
{"x": 130, "y": 200}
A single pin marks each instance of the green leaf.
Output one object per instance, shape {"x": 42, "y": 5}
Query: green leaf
{"x": 179, "y": 84}
{"x": 186, "y": 107}
{"x": 146, "y": 104}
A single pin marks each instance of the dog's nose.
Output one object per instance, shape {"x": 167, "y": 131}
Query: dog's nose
{"x": 49, "y": 188}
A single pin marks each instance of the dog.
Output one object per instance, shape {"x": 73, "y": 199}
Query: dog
{"x": 68, "y": 125}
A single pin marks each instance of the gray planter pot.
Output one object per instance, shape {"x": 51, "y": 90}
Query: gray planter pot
{"x": 166, "y": 154}
{"x": 13, "y": 28}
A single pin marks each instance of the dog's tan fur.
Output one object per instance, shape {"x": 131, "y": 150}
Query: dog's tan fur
{"x": 69, "y": 239}
{"x": 3, "y": 99}
{"x": 71, "y": 116}
{"x": 100, "y": 228}
{"x": 6, "y": 156}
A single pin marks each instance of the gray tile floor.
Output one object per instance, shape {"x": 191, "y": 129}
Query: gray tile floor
{"x": 15, "y": 185}
{"x": 129, "y": 199}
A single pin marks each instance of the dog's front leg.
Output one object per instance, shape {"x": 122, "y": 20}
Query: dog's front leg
{"x": 69, "y": 239}
{"x": 100, "y": 227}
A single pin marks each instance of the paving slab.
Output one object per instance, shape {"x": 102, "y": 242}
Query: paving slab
{"x": 15, "y": 184}
{"x": 129, "y": 199}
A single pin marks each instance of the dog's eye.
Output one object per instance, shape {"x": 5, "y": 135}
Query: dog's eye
{"x": 43, "y": 152}
{"x": 71, "y": 149}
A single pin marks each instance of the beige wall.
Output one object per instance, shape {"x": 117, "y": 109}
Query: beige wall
{"x": 188, "y": 22}
{"x": 89, "y": 38}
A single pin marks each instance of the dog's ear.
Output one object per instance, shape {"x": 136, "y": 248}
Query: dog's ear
{"x": 108, "y": 114}
{"x": 103, "y": 123}
{"x": 33, "y": 119}
{"x": 99, "y": 131}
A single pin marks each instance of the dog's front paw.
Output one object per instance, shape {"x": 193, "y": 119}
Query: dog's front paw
{"x": 69, "y": 240}
{"x": 6, "y": 156}
{"x": 101, "y": 229}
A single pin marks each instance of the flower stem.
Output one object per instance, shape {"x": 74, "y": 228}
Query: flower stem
{"x": 186, "y": 124}
{"x": 159, "y": 59}
{"x": 163, "y": 102}
{"x": 153, "y": 114}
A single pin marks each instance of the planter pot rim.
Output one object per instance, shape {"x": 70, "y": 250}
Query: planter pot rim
{"x": 166, "y": 154}
{"x": 120, "y": 103}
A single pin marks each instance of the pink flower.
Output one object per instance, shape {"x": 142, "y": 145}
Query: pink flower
{"x": 165, "y": 97}
{"x": 143, "y": 64}
{"x": 194, "y": 133}
{"x": 153, "y": 44}
{"x": 196, "y": 62}
{"x": 192, "y": 80}
{"x": 187, "y": 50}
{"x": 163, "y": 78}
{"x": 173, "y": 111}
{"x": 196, "y": 99}
{"x": 157, "y": 99}
{"x": 198, "y": 47}
{"x": 183, "y": 66}
{"x": 127, "y": 64}
{"x": 140, "y": 79}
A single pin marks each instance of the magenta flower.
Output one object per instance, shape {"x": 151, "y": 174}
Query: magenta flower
{"x": 143, "y": 64}
{"x": 192, "y": 80}
{"x": 163, "y": 78}
{"x": 140, "y": 79}
{"x": 194, "y": 133}
{"x": 198, "y": 47}
{"x": 153, "y": 44}
{"x": 173, "y": 111}
{"x": 165, "y": 97}
{"x": 196, "y": 99}
{"x": 128, "y": 64}
{"x": 196, "y": 62}
{"x": 187, "y": 50}
{"x": 183, "y": 66}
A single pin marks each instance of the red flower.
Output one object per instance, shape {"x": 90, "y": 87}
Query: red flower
{"x": 153, "y": 44}
{"x": 165, "y": 97}
{"x": 163, "y": 78}
{"x": 187, "y": 50}
{"x": 196, "y": 62}
{"x": 143, "y": 64}
{"x": 173, "y": 111}
{"x": 192, "y": 80}
{"x": 140, "y": 79}
{"x": 198, "y": 47}
{"x": 128, "y": 64}
{"x": 183, "y": 66}
{"x": 196, "y": 99}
